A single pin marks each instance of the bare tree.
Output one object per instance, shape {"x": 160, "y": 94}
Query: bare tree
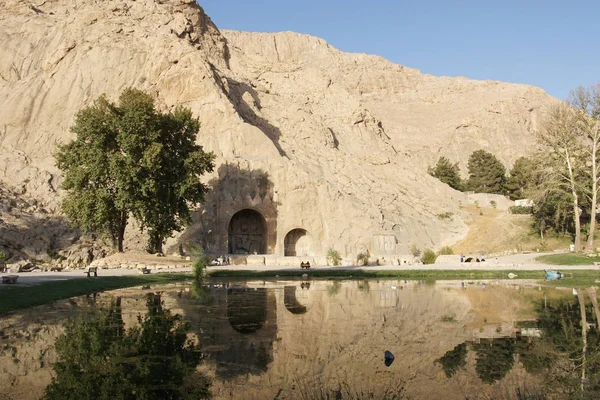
{"x": 562, "y": 135}
{"x": 587, "y": 102}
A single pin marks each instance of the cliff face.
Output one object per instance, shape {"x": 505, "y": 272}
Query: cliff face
{"x": 343, "y": 139}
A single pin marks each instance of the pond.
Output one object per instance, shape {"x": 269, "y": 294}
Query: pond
{"x": 313, "y": 339}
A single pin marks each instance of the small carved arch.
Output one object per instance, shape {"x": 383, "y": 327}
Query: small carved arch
{"x": 297, "y": 242}
{"x": 291, "y": 302}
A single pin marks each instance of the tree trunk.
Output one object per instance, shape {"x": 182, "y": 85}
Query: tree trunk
{"x": 121, "y": 233}
{"x": 583, "y": 336}
{"x": 575, "y": 202}
{"x": 590, "y": 241}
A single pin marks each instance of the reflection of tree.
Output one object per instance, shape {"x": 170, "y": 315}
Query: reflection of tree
{"x": 334, "y": 289}
{"x": 100, "y": 360}
{"x": 494, "y": 358}
{"x": 561, "y": 346}
{"x": 535, "y": 355}
{"x": 454, "y": 359}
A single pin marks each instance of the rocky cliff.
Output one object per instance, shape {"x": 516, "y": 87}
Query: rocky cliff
{"x": 344, "y": 140}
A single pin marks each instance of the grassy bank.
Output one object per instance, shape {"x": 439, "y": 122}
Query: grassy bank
{"x": 568, "y": 259}
{"x": 358, "y": 273}
{"x": 574, "y": 278}
{"x": 17, "y": 297}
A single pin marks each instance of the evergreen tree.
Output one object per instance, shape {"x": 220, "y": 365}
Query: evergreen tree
{"x": 486, "y": 173}
{"x": 447, "y": 172}
{"x": 520, "y": 177}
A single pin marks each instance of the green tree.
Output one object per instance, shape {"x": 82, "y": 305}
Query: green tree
{"x": 98, "y": 359}
{"x": 447, "y": 172}
{"x": 95, "y": 200}
{"x": 520, "y": 177}
{"x": 486, "y": 173}
{"x": 168, "y": 171}
{"x": 131, "y": 159}
{"x": 495, "y": 358}
{"x": 453, "y": 360}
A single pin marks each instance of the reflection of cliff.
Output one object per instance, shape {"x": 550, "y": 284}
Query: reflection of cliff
{"x": 261, "y": 338}
{"x": 237, "y": 330}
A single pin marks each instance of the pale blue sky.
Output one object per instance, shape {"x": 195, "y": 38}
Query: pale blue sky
{"x": 551, "y": 44}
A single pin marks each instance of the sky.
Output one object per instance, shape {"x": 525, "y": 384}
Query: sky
{"x": 551, "y": 44}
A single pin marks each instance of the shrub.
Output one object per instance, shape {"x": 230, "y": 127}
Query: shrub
{"x": 520, "y": 210}
{"x": 415, "y": 251}
{"x": 363, "y": 258}
{"x": 200, "y": 263}
{"x": 429, "y": 256}
{"x": 446, "y": 215}
{"x": 333, "y": 256}
{"x": 493, "y": 203}
{"x": 446, "y": 250}
{"x": 3, "y": 256}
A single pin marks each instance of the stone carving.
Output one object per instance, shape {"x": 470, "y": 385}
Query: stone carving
{"x": 247, "y": 233}
{"x": 384, "y": 244}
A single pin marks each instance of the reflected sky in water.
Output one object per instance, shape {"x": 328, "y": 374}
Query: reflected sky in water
{"x": 313, "y": 339}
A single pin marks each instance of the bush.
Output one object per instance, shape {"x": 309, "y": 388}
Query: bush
{"x": 446, "y": 250}
{"x": 446, "y": 215}
{"x": 429, "y": 256}
{"x": 520, "y": 210}
{"x": 493, "y": 203}
{"x": 200, "y": 263}
{"x": 363, "y": 258}
{"x": 334, "y": 257}
{"x": 415, "y": 251}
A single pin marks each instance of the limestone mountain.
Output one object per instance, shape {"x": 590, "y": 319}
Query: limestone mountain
{"x": 316, "y": 148}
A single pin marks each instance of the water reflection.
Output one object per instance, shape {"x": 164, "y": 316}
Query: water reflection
{"x": 99, "y": 359}
{"x": 325, "y": 339}
{"x": 559, "y": 347}
{"x": 236, "y": 326}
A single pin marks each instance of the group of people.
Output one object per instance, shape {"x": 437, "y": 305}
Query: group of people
{"x": 470, "y": 259}
{"x": 221, "y": 260}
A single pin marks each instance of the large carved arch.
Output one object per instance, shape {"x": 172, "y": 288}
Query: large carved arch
{"x": 247, "y": 233}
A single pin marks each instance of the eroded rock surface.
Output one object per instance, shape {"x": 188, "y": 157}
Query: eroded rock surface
{"x": 345, "y": 139}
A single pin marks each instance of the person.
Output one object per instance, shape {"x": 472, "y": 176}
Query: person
{"x": 482, "y": 258}
{"x": 462, "y": 258}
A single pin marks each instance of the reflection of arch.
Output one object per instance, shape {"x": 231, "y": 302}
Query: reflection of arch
{"x": 246, "y": 309}
{"x": 290, "y": 301}
{"x": 247, "y": 233}
{"x": 297, "y": 243}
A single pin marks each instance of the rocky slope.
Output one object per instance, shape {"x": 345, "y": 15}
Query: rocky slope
{"x": 344, "y": 138}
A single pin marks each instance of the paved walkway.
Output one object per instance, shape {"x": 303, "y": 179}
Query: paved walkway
{"x": 523, "y": 262}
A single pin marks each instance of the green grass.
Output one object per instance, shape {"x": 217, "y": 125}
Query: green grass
{"x": 18, "y": 297}
{"x": 359, "y": 273}
{"x": 568, "y": 259}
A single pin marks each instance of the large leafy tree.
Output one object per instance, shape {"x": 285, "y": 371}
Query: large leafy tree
{"x": 95, "y": 200}
{"x": 486, "y": 173}
{"x": 447, "y": 172}
{"x": 131, "y": 159}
